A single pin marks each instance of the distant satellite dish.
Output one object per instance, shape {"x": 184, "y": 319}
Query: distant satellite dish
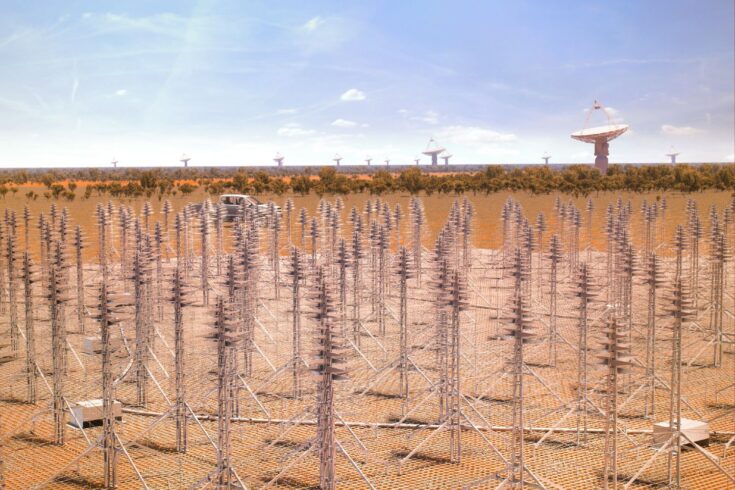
{"x": 433, "y": 149}
{"x": 600, "y": 136}
{"x": 608, "y": 132}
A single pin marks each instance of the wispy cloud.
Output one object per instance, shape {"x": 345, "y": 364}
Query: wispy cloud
{"x": 628, "y": 61}
{"x": 473, "y": 135}
{"x": 168, "y": 24}
{"x": 313, "y": 24}
{"x": 121, "y": 93}
{"x": 343, "y": 123}
{"x": 353, "y": 95}
{"x": 293, "y": 130}
{"x": 670, "y": 130}
{"x": 428, "y": 117}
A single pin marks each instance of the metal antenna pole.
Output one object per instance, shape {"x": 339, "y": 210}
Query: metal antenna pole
{"x": 418, "y": 219}
{"x": 314, "y": 235}
{"x": 455, "y": 304}
{"x": 10, "y": 259}
{"x": 586, "y": 294}
{"x": 397, "y": 216}
{"x": 540, "y": 229}
{"x": 403, "y": 275}
{"x": 654, "y": 280}
{"x": 357, "y": 255}
{"x": 204, "y": 244}
{"x": 328, "y": 365}
{"x": 180, "y": 300}
{"x": 615, "y": 356}
{"x": 297, "y": 274}
{"x": 29, "y": 278}
{"x": 303, "y": 222}
{"x": 343, "y": 261}
{"x": 521, "y": 334}
{"x": 555, "y": 255}
{"x": 166, "y": 210}
{"x": 56, "y": 297}
{"x": 139, "y": 273}
{"x": 79, "y": 246}
{"x": 276, "y": 249}
{"x": 220, "y": 213}
{"x": 289, "y": 212}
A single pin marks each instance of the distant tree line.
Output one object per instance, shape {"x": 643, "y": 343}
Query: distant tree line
{"x": 573, "y": 179}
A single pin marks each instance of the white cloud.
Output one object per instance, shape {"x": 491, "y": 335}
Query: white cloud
{"x": 473, "y": 135}
{"x": 294, "y": 130}
{"x": 679, "y": 130}
{"x": 429, "y": 117}
{"x": 121, "y": 93}
{"x": 343, "y": 123}
{"x": 313, "y": 23}
{"x": 353, "y": 95}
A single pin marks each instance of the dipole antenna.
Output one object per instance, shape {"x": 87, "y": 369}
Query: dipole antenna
{"x": 403, "y": 275}
{"x": 521, "y": 333}
{"x": 29, "y": 277}
{"x": 166, "y": 210}
{"x": 140, "y": 271}
{"x": 276, "y": 249}
{"x": 418, "y": 219}
{"x": 298, "y": 274}
{"x": 289, "y": 213}
{"x": 555, "y": 255}
{"x": 314, "y": 235}
{"x": 357, "y": 255}
{"x": 179, "y": 295}
{"x": 586, "y": 292}
{"x": 328, "y": 366}
{"x": 226, "y": 337}
{"x": 10, "y": 262}
{"x": 204, "y": 232}
{"x": 614, "y": 354}
{"x": 220, "y": 213}
{"x": 540, "y": 230}
{"x": 57, "y": 298}
{"x": 303, "y": 222}
{"x": 78, "y": 247}
{"x": 343, "y": 262}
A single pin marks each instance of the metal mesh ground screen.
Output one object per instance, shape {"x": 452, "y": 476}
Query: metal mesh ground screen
{"x": 390, "y": 441}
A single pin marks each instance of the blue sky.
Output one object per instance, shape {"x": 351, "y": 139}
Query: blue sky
{"x": 232, "y": 82}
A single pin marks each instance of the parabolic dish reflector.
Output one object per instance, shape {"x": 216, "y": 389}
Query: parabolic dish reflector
{"x": 608, "y": 132}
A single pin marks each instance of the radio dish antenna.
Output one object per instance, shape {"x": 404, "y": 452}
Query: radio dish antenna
{"x": 114, "y": 162}
{"x": 278, "y": 159}
{"x": 446, "y": 157}
{"x": 368, "y": 159}
{"x": 672, "y": 154}
{"x": 433, "y": 149}
{"x": 546, "y": 158}
{"x": 185, "y": 160}
{"x": 337, "y": 159}
{"x": 600, "y": 136}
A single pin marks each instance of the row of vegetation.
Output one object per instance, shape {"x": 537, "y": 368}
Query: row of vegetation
{"x": 575, "y": 179}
